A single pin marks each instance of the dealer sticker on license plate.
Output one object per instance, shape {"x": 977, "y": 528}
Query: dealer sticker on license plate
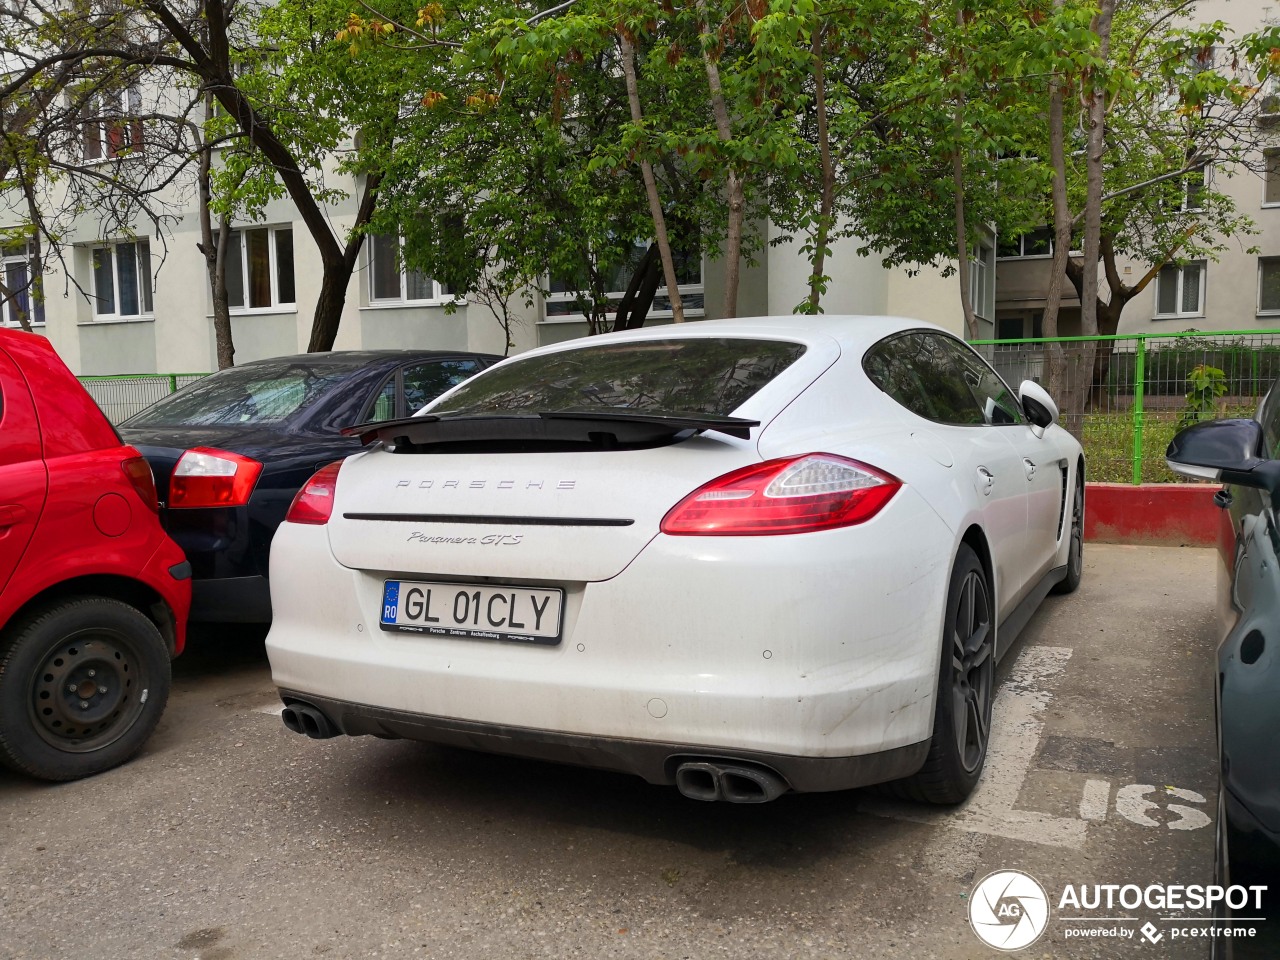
{"x": 473, "y": 610}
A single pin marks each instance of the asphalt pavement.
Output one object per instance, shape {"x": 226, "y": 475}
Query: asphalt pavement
{"x": 230, "y": 837}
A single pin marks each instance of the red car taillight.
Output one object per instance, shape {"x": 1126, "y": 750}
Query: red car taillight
{"x": 205, "y": 477}
{"x": 314, "y": 502}
{"x": 816, "y": 491}
{"x": 139, "y": 473}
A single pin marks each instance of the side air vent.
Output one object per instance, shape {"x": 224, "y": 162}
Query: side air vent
{"x": 1062, "y": 507}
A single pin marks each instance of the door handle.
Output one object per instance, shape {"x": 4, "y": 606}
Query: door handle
{"x": 12, "y": 513}
{"x": 1030, "y": 468}
{"x": 987, "y": 480}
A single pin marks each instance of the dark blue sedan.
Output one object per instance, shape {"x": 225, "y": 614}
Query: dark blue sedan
{"x": 230, "y": 451}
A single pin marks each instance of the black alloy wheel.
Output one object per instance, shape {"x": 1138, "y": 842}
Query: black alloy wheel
{"x": 972, "y": 672}
{"x": 1075, "y": 550}
{"x": 966, "y": 690}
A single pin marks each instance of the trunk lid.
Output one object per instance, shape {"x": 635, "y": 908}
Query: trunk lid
{"x": 543, "y": 516}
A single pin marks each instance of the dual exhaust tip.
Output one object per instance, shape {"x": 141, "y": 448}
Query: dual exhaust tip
{"x": 306, "y": 719}
{"x": 706, "y": 780}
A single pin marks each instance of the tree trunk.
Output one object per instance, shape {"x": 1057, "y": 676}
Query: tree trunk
{"x": 214, "y": 249}
{"x": 737, "y": 200}
{"x": 641, "y": 289}
{"x": 826, "y": 204}
{"x": 962, "y": 242}
{"x": 1055, "y": 357}
{"x": 650, "y": 183}
{"x": 1095, "y": 150}
{"x": 329, "y": 304}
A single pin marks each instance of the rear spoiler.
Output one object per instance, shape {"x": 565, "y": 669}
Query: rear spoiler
{"x": 571, "y": 426}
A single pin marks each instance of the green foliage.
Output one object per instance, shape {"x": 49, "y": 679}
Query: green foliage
{"x": 1208, "y": 386}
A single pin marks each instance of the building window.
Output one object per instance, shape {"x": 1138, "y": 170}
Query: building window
{"x": 1180, "y": 290}
{"x": 563, "y": 295}
{"x": 391, "y": 281}
{"x": 1037, "y": 243}
{"x": 260, "y": 268}
{"x": 20, "y": 298}
{"x": 1271, "y": 175}
{"x": 982, "y": 281}
{"x": 111, "y": 124}
{"x": 1269, "y": 284}
{"x": 1192, "y": 192}
{"x": 122, "y": 280}
{"x": 1021, "y": 326}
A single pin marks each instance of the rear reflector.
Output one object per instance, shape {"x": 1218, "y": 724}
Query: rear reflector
{"x": 816, "y": 491}
{"x": 139, "y": 473}
{"x": 314, "y": 502}
{"x": 205, "y": 477}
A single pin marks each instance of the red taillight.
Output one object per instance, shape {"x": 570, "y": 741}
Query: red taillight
{"x": 816, "y": 491}
{"x": 139, "y": 473}
{"x": 314, "y": 502}
{"x": 205, "y": 477}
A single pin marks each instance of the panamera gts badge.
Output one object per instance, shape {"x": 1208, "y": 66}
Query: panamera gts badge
{"x": 488, "y": 540}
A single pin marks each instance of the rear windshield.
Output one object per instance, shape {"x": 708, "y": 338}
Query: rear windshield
{"x": 686, "y": 375}
{"x": 268, "y": 393}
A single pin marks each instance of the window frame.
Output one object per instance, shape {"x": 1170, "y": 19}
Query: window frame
{"x": 96, "y": 115}
{"x": 1180, "y": 314}
{"x": 1267, "y": 311}
{"x": 570, "y": 297}
{"x": 1271, "y": 172}
{"x": 273, "y": 269}
{"x": 441, "y": 294}
{"x": 36, "y": 312}
{"x": 146, "y": 298}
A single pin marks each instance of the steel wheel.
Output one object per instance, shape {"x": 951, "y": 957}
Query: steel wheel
{"x": 85, "y": 694}
{"x": 972, "y": 673}
{"x": 83, "y": 682}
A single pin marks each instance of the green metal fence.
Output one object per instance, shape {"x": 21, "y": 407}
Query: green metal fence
{"x": 1125, "y": 396}
{"x": 121, "y": 397}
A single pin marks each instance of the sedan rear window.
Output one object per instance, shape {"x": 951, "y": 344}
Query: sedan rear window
{"x": 243, "y": 395}
{"x": 707, "y": 375}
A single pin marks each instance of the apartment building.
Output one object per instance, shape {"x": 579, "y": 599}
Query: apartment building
{"x": 1238, "y": 291}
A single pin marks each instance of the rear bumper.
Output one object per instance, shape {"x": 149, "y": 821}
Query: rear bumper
{"x": 826, "y": 650}
{"x": 653, "y": 761}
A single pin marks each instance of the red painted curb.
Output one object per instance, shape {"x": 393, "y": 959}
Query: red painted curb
{"x": 1166, "y": 514}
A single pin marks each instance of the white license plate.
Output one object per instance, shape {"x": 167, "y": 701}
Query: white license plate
{"x": 473, "y": 610}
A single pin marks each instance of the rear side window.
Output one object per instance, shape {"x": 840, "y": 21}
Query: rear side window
{"x": 686, "y": 375}
{"x": 937, "y": 378}
{"x": 423, "y": 382}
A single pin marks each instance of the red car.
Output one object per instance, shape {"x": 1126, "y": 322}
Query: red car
{"x": 93, "y": 594}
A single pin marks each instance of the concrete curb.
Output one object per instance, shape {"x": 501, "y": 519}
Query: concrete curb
{"x": 1157, "y": 514}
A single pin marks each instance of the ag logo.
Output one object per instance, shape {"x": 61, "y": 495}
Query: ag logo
{"x": 1008, "y": 910}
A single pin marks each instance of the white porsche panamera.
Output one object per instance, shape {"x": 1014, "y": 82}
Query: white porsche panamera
{"x": 743, "y": 557}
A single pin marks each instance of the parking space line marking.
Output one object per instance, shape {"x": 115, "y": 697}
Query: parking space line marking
{"x": 1016, "y": 728}
{"x": 1097, "y": 795}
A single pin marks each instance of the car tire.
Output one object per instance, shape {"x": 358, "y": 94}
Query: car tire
{"x": 83, "y": 683}
{"x": 1075, "y": 551}
{"x": 966, "y": 688}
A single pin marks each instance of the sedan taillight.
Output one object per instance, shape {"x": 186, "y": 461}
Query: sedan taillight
{"x": 205, "y": 477}
{"x": 314, "y": 502}
{"x": 139, "y": 473}
{"x": 816, "y": 491}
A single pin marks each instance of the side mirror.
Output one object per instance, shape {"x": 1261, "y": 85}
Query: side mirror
{"x": 1039, "y": 407}
{"x": 1230, "y": 451}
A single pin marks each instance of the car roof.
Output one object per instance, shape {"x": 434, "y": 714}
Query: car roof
{"x": 854, "y": 333}
{"x": 360, "y": 358}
